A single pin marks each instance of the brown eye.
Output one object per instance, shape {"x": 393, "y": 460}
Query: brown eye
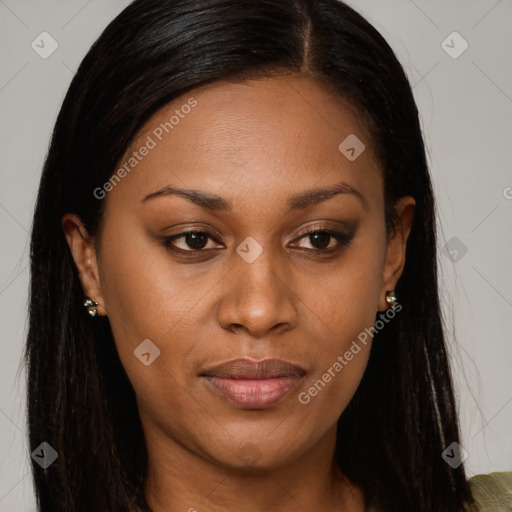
{"x": 320, "y": 239}
{"x": 196, "y": 240}
{"x": 325, "y": 240}
{"x": 189, "y": 241}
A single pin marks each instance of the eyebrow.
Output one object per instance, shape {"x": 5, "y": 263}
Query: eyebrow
{"x": 297, "y": 202}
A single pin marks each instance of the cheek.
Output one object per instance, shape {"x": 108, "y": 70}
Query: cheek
{"x": 163, "y": 308}
{"x": 145, "y": 294}
{"x": 344, "y": 303}
{"x": 340, "y": 356}
{"x": 145, "y": 301}
{"x": 342, "y": 295}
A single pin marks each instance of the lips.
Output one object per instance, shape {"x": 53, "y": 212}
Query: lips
{"x": 253, "y": 384}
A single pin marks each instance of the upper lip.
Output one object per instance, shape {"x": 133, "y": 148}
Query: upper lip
{"x": 245, "y": 368}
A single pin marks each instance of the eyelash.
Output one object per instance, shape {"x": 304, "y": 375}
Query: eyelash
{"x": 343, "y": 240}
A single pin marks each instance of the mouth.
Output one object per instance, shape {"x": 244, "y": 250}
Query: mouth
{"x": 251, "y": 384}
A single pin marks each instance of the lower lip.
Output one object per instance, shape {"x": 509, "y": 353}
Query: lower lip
{"x": 253, "y": 393}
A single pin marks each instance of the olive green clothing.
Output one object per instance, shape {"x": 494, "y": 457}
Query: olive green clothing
{"x": 492, "y": 492}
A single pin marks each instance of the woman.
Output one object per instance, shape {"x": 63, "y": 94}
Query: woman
{"x": 234, "y": 300}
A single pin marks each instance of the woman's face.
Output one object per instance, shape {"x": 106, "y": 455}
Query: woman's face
{"x": 251, "y": 283}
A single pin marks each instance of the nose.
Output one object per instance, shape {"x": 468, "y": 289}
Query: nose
{"x": 257, "y": 297}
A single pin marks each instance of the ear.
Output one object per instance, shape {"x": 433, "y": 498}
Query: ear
{"x": 396, "y": 249}
{"x": 84, "y": 255}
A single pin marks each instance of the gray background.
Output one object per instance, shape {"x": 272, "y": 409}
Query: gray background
{"x": 466, "y": 110}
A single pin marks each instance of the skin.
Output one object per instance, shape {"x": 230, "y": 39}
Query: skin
{"x": 254, "y": 144}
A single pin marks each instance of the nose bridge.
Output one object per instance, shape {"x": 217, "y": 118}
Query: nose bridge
{"x": 258, "y": 260}
{"x": 261, "y": 275}
{"x": 257, "y": 297}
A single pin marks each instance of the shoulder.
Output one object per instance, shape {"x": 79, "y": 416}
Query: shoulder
{"x": 492, "y": 492}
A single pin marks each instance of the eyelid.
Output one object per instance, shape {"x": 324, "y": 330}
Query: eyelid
{"x": 197, "y": 228}
{"x": 167, "y": 240}
{"x": 321, "y": 226}
{"x": 343, "y": 237}
{"x": 318, "y": 226}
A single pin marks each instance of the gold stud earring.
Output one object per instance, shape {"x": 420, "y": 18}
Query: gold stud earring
{"x": 391, "y": 298}
{"x": 91, "y": 306}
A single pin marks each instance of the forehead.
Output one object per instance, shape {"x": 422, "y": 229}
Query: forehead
{"x": 271, "y": 135}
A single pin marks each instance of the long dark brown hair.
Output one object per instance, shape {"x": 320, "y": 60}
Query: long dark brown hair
{"x": 80, "y": 401}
